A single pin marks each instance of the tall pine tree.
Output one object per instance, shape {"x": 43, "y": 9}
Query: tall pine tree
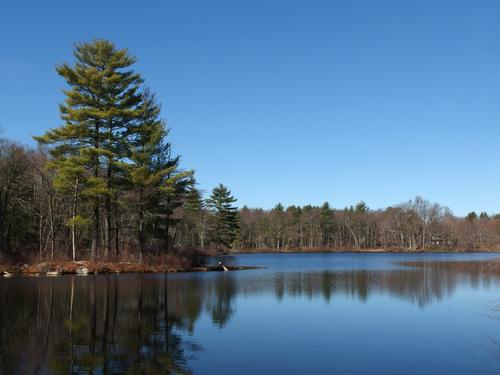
{"x": 103, "y": 101}
{"x": 226, "y": 229}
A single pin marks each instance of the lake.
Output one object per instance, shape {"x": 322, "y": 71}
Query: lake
{"x": 337, "y": 313}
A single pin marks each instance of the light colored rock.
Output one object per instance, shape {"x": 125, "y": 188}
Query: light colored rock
{"x": 53, "y": 273}
{"x": 82, "y": 271}
{"x": 7, "y": 274}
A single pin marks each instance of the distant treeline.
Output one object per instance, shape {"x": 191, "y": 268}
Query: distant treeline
{"x": 415, "y": 225}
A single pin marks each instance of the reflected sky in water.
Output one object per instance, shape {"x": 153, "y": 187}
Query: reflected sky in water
{"x": 302, "y": 314}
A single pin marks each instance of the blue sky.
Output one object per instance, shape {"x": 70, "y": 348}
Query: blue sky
{"x": 291, "y": 101}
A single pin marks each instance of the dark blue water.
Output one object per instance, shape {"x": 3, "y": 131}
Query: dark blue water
{"x": 302, "y": 314}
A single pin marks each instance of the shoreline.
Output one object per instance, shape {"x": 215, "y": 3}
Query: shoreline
{"x": 353, "y": 251}
{"x": 62, "y": 267}
{"x": 84, "y": 268}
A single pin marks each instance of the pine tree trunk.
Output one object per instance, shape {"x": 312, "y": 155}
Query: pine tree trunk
{"x": 40, "y": 228}
{"x": 107, "y": 205}
{"x": 73, "y": 214}
{"x": 52, "y": 232}
{"x": 73, "y": 242}
{"x": 109, "y": 176}
{"x": 141, "y": 233}
{"x": 95, "y": 232}
{"x": 117, "y": 228}
{"x": 117, "y": 237}
{"x": 167, "y": 234}
{"x": 108, "y": 232}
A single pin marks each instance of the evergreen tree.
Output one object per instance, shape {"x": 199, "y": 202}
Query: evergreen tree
{"x": 277, "y": 230}
{"x": 471, "y": 216}
{"x": 103, "y": 101}
{"x": 194, "y": 218}
{"x": 326, "y": 223}
{"x": 154, "y": 174}
{"x": 226, "y": 227}
{"x": 484, "y": 215}
{"x": 145, "y": 145}
{"x": 171, "y": 192}
{"x": 279, "y": 207}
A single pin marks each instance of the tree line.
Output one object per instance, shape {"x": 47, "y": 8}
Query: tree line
{"x": 414, "y": 225}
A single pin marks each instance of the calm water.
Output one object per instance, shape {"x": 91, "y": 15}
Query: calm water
{"x": 303, "y": 314}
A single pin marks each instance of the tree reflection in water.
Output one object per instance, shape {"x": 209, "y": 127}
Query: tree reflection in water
{"x": 137, "y": 324}
{"x": 97, "y": 324}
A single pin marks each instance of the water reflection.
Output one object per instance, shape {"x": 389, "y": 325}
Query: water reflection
{"x": 420, "y": 283}
{"x": 137, "y": 324}
{"x": 89, "y": 325}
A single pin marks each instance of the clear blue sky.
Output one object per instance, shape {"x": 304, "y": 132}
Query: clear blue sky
{"x": 291, "y": 101}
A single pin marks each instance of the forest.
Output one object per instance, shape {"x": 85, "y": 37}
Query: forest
{"x": 104, "y": 184}
{"x": 414, "y": 225}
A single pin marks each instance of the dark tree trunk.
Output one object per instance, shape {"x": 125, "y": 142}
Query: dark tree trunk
{"x": 95, "y": 231}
